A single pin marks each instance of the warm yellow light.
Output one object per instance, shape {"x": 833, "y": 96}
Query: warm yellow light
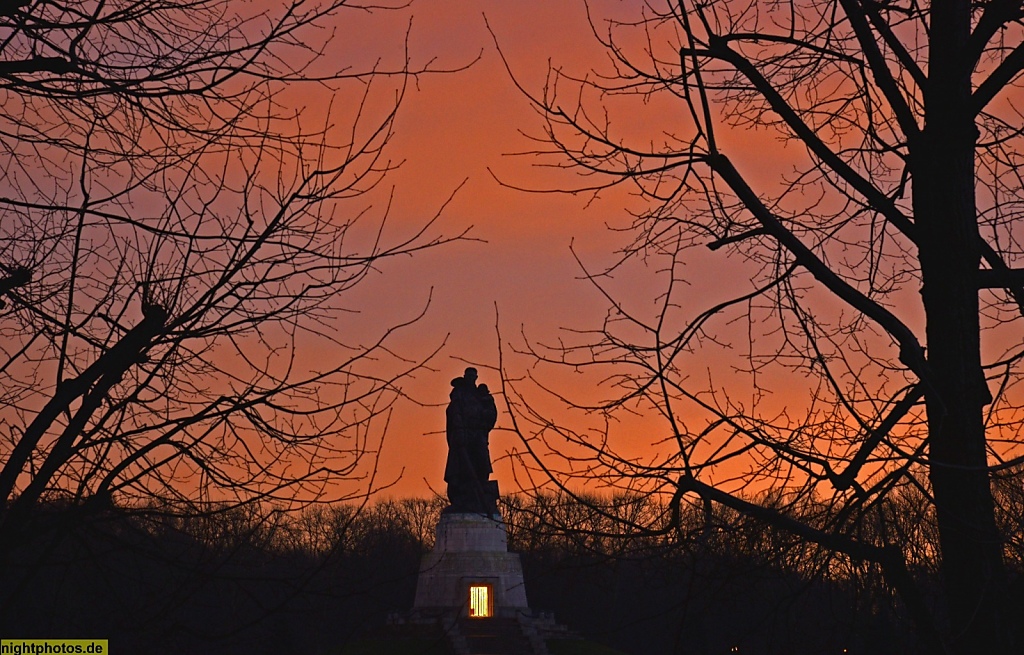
{"x": 479, "y": 601}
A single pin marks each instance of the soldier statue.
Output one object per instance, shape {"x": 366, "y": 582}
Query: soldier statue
{"x": 470, "y": 416}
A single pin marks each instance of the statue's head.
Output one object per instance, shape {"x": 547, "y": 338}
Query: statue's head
{"x": 471, "y": 375}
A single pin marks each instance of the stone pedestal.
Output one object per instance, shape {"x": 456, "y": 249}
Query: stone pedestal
{"x": 471, "y": 549}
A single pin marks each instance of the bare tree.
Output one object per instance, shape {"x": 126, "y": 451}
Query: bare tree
{"x": 175, "y": 247}
{"x": 857, "y": 165}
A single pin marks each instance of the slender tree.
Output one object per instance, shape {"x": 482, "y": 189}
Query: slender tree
{"x": 176, "y": 242}
{"x": 857, "y": 163}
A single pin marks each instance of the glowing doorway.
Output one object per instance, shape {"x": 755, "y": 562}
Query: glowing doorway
{"x": 480, "y": 601}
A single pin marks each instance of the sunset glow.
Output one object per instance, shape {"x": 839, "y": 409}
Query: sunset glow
{"x": 699, "y": 314}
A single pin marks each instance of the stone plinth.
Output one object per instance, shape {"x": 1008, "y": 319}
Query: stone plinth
{"x": 471, "y": 549}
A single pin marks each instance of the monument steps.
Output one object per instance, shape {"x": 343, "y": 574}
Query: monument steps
{"x": 496, "y": 636}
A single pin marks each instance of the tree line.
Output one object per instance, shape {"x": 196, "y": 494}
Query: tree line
{"x": 257, "y": 579}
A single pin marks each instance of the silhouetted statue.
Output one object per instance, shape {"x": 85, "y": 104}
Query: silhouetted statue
{"x": 470, "y": 416}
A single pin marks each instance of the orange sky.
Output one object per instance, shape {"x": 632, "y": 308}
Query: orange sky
{"x": 458, "y": 133}
{"x": 456, "y": 127}
{"x": 460, "y": 126}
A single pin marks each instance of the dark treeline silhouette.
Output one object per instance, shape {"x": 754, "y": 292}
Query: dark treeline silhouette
{"x": 254, "y": 580}
{"x": 245, "y": 580}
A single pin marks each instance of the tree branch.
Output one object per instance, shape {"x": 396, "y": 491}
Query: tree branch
{"x": 37, "y": 65}
{"x": 997, "y": 80}
{"x": 911, "y": 352}
{"x": 874, "y": 197}
{"x": 880, "y": 69}
{"x": 113, "y": 362}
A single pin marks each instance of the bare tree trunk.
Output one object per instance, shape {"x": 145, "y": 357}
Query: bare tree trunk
{"x": 944, "y": 204}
